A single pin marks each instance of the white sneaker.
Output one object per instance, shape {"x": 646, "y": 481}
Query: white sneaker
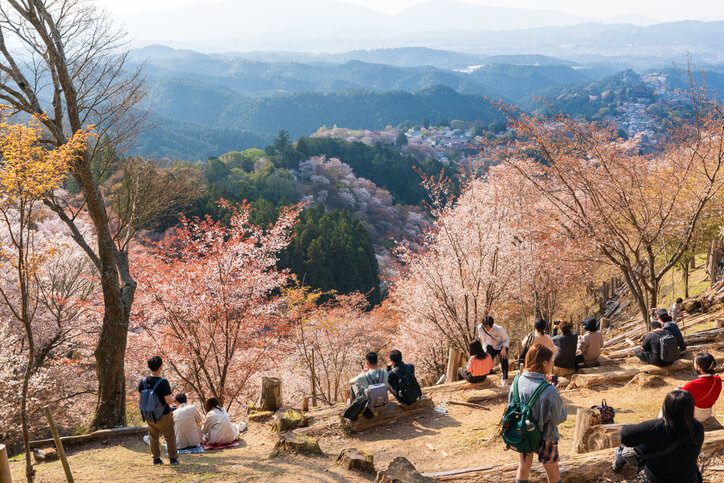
{"x": 503, "y": 382}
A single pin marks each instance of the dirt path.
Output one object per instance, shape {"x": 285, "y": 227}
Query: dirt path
{"x": 462, "y": 438}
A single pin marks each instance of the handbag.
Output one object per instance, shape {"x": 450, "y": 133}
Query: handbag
{"x": 607, "y": 412}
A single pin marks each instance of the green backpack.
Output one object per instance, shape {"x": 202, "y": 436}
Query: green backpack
{"x": 520, "y": 430}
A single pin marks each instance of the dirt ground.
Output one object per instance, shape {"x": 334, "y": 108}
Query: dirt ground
{"x": 462, "y": 438}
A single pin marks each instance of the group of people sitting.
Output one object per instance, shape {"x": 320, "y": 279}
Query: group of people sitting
{"x": 181, "y": 424}
{"x": 570, "y": 351}
{"x": 664, "y": 344}
{"x": 648, "y": 445}
{"x": 369, "y": 389}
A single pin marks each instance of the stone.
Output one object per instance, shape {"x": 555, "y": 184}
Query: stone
{"x": 401, "y": 470}
{"x": 646, "y": 380}
{"x": 354, "y": 459}
{"x": 288, "y": 419}
{"x": 45, "y": 454}
{"x": 296, "y": 443}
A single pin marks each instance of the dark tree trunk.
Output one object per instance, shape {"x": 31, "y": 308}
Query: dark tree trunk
{"x": 686, "y": 279}
{"x": 713, "y": 258}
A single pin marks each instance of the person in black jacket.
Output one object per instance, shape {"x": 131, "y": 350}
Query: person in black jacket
{"x": 650, "y": 350}
{"x": 564, "y": 362}
{"x": 669, "y": 446}
{"x": 401, "y": 379}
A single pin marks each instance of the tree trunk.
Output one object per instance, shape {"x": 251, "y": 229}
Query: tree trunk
{"x": 29, "y": 470}
{"x": 270, "y": 398}
{"x": 713, "y": 258}
{"x": 686, "y": 279}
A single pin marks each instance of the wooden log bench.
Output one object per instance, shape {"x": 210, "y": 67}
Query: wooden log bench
{"x": 101, "y": 434}
{"x": 458, "y": 386}
{"x": 323, "y": 419}
{"x": 391, "y": 414}
{"x": 620, "y": 375}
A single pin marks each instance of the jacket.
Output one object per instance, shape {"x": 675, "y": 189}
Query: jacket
{"x": 548, "y": 410}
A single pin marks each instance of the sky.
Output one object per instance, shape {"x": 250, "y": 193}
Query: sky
{"x": 656, "y": 10}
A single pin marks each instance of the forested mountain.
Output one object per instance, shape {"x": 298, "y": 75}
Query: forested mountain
{"x": 303, "y": 113}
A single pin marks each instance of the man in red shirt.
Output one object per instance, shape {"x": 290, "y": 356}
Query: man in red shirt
{"x": 706, "y": 388}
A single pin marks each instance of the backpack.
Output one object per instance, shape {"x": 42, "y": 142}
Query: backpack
{"x": 520, "y": 430}
{"x": 526, "y": 344}
{"x": 607, "y": 412}
{"x": 408, "y": 388}
{"x": 669, "y": 348}
{"x": 376, "y": 392}
{"x": 151, "y": 406}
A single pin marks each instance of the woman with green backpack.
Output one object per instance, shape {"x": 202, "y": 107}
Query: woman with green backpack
{"x": 535, "y": 410}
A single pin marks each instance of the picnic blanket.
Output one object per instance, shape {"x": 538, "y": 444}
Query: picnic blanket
{"x": 190, "y": 450}
{"x": 221, "y": 446}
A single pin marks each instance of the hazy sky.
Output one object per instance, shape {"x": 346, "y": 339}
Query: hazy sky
{"x": 656, "y": 10}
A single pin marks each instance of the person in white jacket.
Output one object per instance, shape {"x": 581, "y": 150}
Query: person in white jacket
{"x": 495, "y": 341}
{"x": 218, "y": 428}
{"x": 187, "y": 421}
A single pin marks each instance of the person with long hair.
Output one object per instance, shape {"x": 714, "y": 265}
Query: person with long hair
{"x": 668, "y": 446}
{"x": 218, "y": 428}
{"x": 479, "y": 365}
{"x": 705, "y": 388}
{"x": 547, "y": 411}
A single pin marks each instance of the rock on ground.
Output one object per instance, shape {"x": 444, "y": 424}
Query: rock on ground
{"x": 401, "y": 470}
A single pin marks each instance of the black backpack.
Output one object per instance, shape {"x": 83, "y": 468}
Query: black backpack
{"x": 406, "y": 385}
{"x": 668, "y": 348}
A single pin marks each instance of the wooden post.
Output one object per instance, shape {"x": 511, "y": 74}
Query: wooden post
{"x": 270, "y": 398}
{"x": 584, "y": 421}
{"x": 314, "y": 383}
{"x": 58, "y": 445}
{"x": 305, "y": 404}
{"x": 4, "y": 466}
{"x": 453, "y": 362}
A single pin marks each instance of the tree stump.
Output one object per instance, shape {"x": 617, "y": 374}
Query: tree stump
{"x": 585, "y": 419}
{"x": 401, "y": 470}
{"x": 453, "y": 362}
{"x": 353, "y": 459}
{"x": 270, "y": 398}
{"x": 296, "y": 443}
{"x": 288, "y": 419}
{"x": 4, "y": 465}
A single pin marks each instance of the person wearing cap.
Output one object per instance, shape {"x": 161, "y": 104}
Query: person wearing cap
{"x": 591, "y": 343}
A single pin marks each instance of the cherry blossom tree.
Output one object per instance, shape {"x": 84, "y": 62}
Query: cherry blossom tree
{"x": 331, "y": 339}
{"x": 207, "y": 302}
{"x": 640, "y": 212}
{"x": 39, "y": 302}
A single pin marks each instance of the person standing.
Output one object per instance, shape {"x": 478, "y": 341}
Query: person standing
{"x": 495, "y": 340}
{"x": 163, "y": 425}
{"x": 547, "y": 411}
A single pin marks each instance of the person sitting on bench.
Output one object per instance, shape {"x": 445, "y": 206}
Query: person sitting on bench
{"x": 479, "y": 365}
{"x": 401, "y": 379}
{"x": 668, "y": 324}
{"x": 591, "y": 343}
{"x": 371, "y": 375}
{"x": 564, "y": 360}
{"x": 658, "y": 347}
{"x": 667, "y": 448}
{"x": 706, "y": 388}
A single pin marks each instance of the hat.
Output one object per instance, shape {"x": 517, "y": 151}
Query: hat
{"x": 661, "y": 312}
{"x": 590, "y": 324}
